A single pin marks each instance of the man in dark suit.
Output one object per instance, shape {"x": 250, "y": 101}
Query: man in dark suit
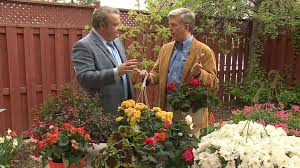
{"x": 100, "y": 61}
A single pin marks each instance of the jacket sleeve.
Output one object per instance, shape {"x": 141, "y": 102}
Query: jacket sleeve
{"x": 86, "y": 73}
{"x": 153, "y": 77}
{"x": 208, "y": 74}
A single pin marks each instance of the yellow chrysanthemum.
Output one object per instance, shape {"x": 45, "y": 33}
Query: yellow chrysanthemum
{"x": 137, "y": 114}
{"x": 128, "y": 103}
{"x": 140, "y": 106}
{"x": 156, "y": 109}
{"x": 119, "y": 119}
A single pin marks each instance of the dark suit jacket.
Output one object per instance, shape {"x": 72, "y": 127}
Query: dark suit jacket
{"x": 94, "y": 70}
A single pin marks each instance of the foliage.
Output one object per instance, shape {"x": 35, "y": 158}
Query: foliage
{"x": 10, "y": 143}
{"x": 66, "y": 144}
{"x": 288, "y": 119}
{"x": 150, "y": 136}
{"x": 149, "y": 30}
{"x": 76, "y": 108}
{"x": 290, "y": 96}
{"x": 191, "y": 94}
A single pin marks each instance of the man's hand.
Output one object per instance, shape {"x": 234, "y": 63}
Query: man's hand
{"x": 127, "y": 66}
{"x": 196, "y": 70}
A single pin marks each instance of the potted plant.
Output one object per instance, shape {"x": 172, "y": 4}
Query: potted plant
{"x": 194, "y": 99}
{"x": 65, "y": 147}
{"x": 10, "y": 143}
{"x": 147, "y": 138}
{"x": 77, "y": 108}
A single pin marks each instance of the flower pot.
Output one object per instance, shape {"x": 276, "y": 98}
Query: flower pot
{"x": 81, "y": 164}
{"x": 200, "y": 118}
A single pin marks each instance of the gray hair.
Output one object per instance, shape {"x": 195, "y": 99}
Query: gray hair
{"x": 186, "y": 16}
{"x": 100, "y": 16}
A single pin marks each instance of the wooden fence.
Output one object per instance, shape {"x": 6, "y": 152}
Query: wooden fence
{"x": 35, "y": 60}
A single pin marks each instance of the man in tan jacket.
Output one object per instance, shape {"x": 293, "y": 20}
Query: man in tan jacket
{"x": 183, "y": 59}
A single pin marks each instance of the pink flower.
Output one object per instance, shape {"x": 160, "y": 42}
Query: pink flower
{"x": 270, "y": 105}
{"x": 188, "y": 155}
{"x": 247, "y": 110}
{"x": 295, "y": 132}
{"x": 281, "y": 105}
{"x": 167, "y": 124}
{"x": 295, "y": 108}
{"x": 258, "y": 106}
{"x": 283, "y": 126}
{"x": 235, "y": 111}
{"x": 282, "y": 115}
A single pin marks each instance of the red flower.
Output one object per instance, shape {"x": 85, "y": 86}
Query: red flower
{"x": 41, "y": 145}
{"x": 51, "y": 123}
{"x": 68, "y": 126}
{"x": 52, "y": 138}
{"x": 194, "y": 82}
{"x": 13, "y": 134}
{"x": 221, "y": 121}
{"x": 188, "y": 155}
{"x": 81, "y": 130}
{"x": 211, "y": 118}
{"x": 150, "y": 141}
{"x": 160, "y": 136}
{"x": 167, "y": 124}
{"x": 171, "y": 86}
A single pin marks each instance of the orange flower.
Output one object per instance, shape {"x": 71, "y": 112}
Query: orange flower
{"x": 87, "y": 137}
{"x": 160, "y": 136}
{"x": 81, "y": 131}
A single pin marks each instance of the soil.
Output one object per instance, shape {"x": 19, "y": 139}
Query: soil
{"x": 23, "y": 159}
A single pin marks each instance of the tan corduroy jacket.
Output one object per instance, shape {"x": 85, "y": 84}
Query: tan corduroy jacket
{"x": 199, "y": 53}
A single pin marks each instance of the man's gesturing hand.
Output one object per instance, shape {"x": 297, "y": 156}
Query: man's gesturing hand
{"x": 126, "y": 67}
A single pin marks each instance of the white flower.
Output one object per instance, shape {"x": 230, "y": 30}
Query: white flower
{"x": 8, "y": 137}
{"x": 9, "y": 131}
{"x": 180, "y": 134}
{"x": 1, "y": 140}
{"x": 51, "y": 126}
{"x": 15, "y": 143}
{"x": 188, "y": 120}
{"x": 192, "y": 126}
{"x": 259, "y": 151}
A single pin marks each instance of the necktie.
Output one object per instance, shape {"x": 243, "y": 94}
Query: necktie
{"x": 179, "y": 46}
{"x": 117, "y": 57}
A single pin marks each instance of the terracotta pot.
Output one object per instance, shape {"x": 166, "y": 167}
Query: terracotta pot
{"x": 81, "y": 164}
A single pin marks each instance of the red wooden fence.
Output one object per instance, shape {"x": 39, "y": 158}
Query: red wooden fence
{"x": 35, "y": 44}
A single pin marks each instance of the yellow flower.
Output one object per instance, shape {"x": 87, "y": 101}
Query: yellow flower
{"x": 156, "y": 109}
{"x": 140, "y": 106}
{"x": 128, "y": 103}
{"x": 159, "y": 114}
{"x": 133, "y": 120}
{"x": 130, "y": 112}
{"x": 169, "y": 116}
{"x": 120, "y": 108}
{"x": 119, "y": 119}
{"x": 137, "y": 114}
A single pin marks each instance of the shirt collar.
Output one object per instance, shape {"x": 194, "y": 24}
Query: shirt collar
{"x": 99, "y": 36}
{"x": 187, "y": 43}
